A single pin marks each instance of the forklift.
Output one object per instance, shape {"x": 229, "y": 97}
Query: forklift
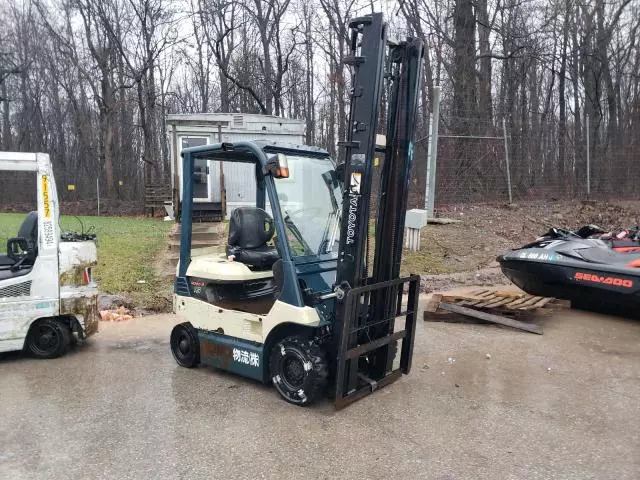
{"x": 294, "y": 300}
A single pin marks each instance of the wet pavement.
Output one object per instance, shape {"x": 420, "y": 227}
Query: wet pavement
{"x": 563, "y": 405}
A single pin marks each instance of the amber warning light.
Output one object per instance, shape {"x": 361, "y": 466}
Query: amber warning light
{"x": 282, "y": 169}
{"x": 277, "y": 166}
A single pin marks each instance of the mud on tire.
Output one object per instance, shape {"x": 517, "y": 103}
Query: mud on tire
{"x": 299, "y": 370}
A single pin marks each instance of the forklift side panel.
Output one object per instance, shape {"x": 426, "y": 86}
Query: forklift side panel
{"x": 232, "y": 354}
{"x": 254, "y": 328}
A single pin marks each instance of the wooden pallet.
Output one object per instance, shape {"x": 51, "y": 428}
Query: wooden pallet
{"x": 510, "y": 300}
{"x": 506, "y": 307}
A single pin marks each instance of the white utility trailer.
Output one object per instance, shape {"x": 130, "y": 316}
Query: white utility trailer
{"x": 219, "y": 187}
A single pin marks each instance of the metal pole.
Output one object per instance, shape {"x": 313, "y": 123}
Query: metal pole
{"x": 506, "y": 159}
{"x": 98, "y": 191}
{"x": 588, "y": 160}
{"x": 175, "y": 163}
{"x": 428, "y": 175}
{"x": 433, "y": 154}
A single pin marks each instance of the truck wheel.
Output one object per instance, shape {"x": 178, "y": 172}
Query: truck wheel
{"x": 299, "y": 370}
{"x": 48, "y": 338}
{"x": 185, "y": 346}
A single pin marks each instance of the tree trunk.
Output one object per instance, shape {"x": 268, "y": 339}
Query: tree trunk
{"x": 267, "y": 68}
{"x": 341, "y": 93}
{"x": 309, "y": 74}
{"x": 7, "y": 144}
{"x": 225, "y": 101}
{"x": 562, "y": 103}
{"x": 485, "y": 100}
{"x": 464, "y": 70}
{"x": 576, "y": 67}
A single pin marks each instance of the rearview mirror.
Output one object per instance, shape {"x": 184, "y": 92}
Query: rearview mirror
{"x": 277, "y": 166}
{"x": 17, "y": 247}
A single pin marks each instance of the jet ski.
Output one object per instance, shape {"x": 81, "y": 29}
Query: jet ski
{"x": 625, "y": 241}
{"x": 590, "y": 272}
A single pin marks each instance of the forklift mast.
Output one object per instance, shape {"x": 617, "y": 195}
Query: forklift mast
{"x": 368, "y": 308}
{"x": 368, "y": 42}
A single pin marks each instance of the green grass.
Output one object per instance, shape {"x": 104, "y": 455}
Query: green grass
{"x": 9, "y": 226}
{"x": 127, "y": 251}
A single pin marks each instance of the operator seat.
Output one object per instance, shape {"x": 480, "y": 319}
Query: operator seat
{"x": 28, "y": 231}
{"x": 250, "y": 229}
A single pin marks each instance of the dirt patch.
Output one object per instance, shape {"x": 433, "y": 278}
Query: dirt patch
{"x": 448, "y": 281}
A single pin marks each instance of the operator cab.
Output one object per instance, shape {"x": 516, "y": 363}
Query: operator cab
{"x": 292, "y": 229}
{"x": 22, "y": 250}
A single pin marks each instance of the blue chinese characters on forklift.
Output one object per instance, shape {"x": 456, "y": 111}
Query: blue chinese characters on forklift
{"x": 231, "y": 354}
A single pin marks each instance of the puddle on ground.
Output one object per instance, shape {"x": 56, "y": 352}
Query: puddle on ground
{"x": 139, "y": 345}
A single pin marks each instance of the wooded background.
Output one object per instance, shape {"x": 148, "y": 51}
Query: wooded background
{"x": 90, "y": 81}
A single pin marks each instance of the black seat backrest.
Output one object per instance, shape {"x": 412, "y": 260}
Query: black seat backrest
{"x": 29, "y": 230}
{"x": 250, "y": 227}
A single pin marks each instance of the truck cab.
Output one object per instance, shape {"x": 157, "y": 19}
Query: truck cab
{"x": 48, "y": 299}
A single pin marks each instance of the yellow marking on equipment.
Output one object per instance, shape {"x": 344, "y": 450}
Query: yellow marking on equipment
{"x": 45, "y": 196}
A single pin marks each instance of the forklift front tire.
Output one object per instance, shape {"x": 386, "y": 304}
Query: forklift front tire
{"x": 48, "y": 338}
{"x": 185, "y": 346}
{"x": 299, "y": 370}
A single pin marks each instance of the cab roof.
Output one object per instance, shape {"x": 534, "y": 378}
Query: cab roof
{"x": 243, "y": 150}
{"x": 23, "y": 162}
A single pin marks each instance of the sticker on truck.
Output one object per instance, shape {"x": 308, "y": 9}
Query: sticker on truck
{"x": 48, "y": 228}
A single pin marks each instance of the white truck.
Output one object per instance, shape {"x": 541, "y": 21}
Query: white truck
{"x": 48, "y": 299}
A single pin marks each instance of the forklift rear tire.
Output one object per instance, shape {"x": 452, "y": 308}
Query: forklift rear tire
{"x": 185, "y": 346}
{"x": 299, "y": 370}
{"x": 48, "y": 338}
